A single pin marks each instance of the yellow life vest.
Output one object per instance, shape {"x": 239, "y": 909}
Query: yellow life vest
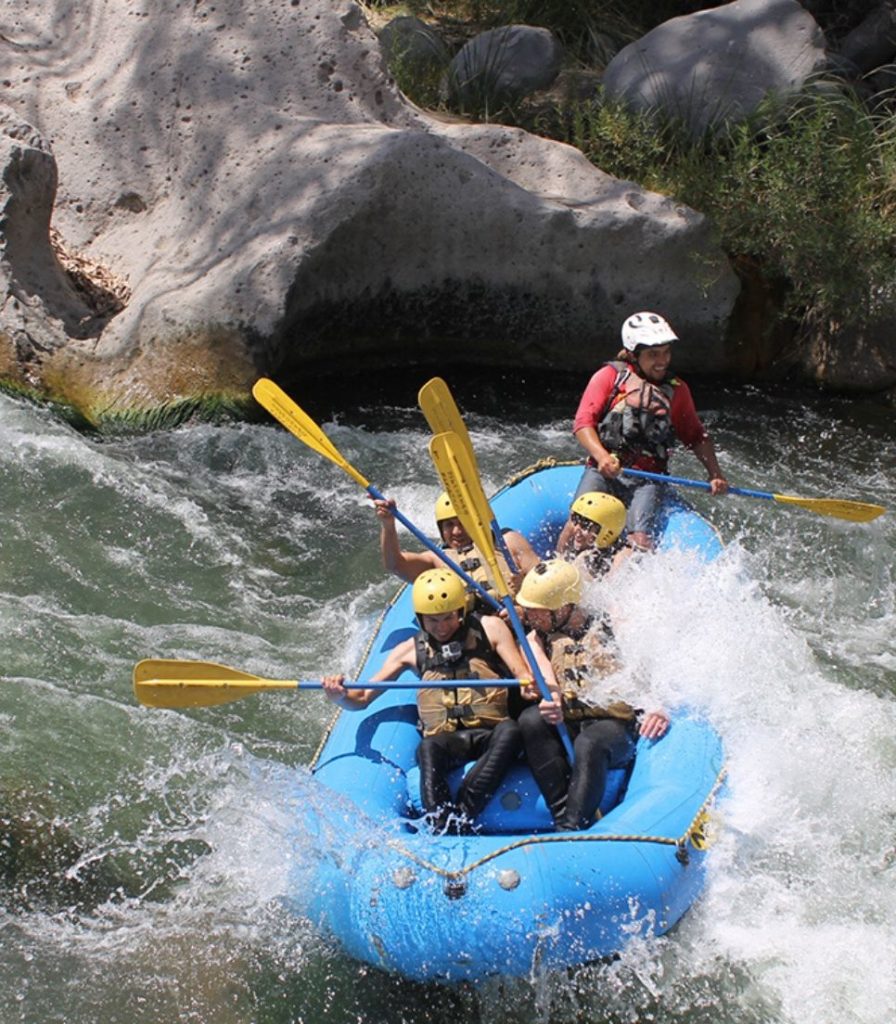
{"x": 471, "y": 656}
{"x": 576, "y": 666}
{"x": 473, "y": 563}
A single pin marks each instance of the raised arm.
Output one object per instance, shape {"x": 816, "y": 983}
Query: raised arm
{"x": 407, "y": 565}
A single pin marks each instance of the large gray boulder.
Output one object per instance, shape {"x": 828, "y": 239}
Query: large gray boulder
{"x": 413, "y": 45}
{"x": 718, "y": 65}
{"x": 503, "y": 66}
{"x": 271, "y": 202}
{"x": 872, "y": 43}
{"x": 40, "y": 306}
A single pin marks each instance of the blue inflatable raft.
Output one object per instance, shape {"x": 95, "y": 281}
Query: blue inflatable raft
{"x": 516, "y": 898}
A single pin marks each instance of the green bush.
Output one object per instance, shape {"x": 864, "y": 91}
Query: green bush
{"x": 809, "y": 196}
{"x": 806, "y": 192}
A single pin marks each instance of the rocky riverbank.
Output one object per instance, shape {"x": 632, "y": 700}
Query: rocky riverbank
{"x": 193, "y": 195}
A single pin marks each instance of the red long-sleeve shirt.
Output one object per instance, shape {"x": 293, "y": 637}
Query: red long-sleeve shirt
{"x": 596, "y": 398}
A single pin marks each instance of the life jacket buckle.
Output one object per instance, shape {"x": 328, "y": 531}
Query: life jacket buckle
{"x": 460, "y": 711}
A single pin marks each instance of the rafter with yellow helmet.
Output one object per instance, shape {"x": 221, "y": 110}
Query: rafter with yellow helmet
{"x": 461, "y": 480}
{"x": 606, "y": 512}
{"x": 300, "y": 425}
{"x": 442, "y": 414}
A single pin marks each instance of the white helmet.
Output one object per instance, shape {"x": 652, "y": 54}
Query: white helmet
{"x": 646, "y": 329}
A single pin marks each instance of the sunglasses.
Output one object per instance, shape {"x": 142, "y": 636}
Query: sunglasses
{"x": 583, "y": 523}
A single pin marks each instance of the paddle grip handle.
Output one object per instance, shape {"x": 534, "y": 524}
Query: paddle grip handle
{"x": 453, "y": 566}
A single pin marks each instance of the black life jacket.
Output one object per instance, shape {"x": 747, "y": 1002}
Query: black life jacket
{"x": 637, "y": 418}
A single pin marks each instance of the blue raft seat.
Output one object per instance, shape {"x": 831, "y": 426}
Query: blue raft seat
{"x": 518, "y": 805}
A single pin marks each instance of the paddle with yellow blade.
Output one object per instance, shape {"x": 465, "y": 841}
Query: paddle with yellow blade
{"x": 464, "y": 487}
{"x": 838, "y": 508}
{"x": 443, "y": 416}
{"x": 300, "y": 424}
{"x": 169, "y": 683}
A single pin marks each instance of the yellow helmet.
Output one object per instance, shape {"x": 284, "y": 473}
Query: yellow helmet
{"x": 550, "y": 585}
{"x": 444, "y": 508}
{"x": 437, "y": 591}
{"x": 605, "y": 511}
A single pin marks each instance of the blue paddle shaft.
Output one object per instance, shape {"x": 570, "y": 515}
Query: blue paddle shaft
{"x": 502, "y": 544}
{"x": 523, "y": 641}
{"x": 412, "y": 684}
{"x": 408, "y": 525}
{"x": 702, "y": 484}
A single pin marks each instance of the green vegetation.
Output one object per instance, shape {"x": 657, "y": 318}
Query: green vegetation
{"x": 209, "y": 408}
{"x": 805, "y": 194}
{"x": 574, "y": 22}
{"x": 809, "y": 197}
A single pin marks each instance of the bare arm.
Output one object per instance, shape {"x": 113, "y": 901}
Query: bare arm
{"x": 350, "y": 700}
{"x": 505, "y": 646}
{"x": 706, "y": 453}
{"x": 607, "y": 463}
{"x": 551, "y": 710}
{"x": 407, "y": 565}
{"x": 523, "y": 553}
{"x": 355, "y": 699}
{"x": 544, "y": 663}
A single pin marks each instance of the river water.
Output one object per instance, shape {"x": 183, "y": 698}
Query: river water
{"x": 145, "y": 852}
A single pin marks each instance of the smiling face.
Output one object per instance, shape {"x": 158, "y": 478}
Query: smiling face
{"x": 584, "y": 532}
{"x": 453, "y": 534}
{"x": 653, "y": 362}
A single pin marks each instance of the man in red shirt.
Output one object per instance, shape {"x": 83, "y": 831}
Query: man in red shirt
{"x": 631, "y": 413}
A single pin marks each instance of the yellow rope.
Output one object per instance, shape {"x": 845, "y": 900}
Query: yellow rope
{"x": 579, "y": 838}
{"x": 546, "y": 463}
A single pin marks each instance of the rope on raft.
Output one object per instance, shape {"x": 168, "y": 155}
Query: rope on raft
{"x": 694, "y": 830}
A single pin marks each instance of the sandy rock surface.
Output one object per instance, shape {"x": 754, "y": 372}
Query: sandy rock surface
{"x": 261, "y": 196}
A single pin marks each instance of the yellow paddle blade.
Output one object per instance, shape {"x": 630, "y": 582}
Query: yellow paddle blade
{"x": 464, "y": 487}
{"x": 299, "y": 423}
{"x": 169, "y": 683}
{"x": 442, "y": 414}
{"x": 854, "y": 511}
